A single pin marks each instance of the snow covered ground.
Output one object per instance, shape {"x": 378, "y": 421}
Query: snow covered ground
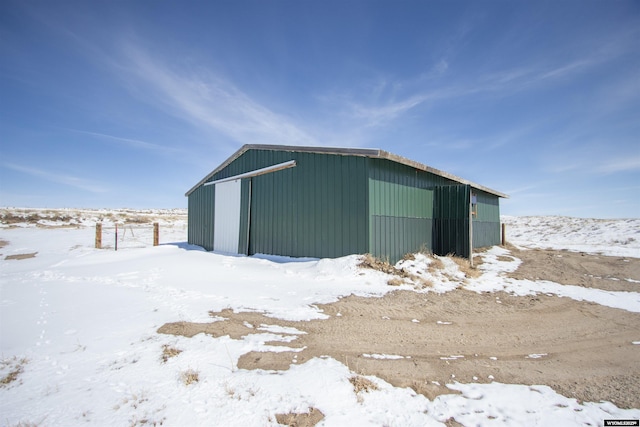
{"x": 614, "y": 237}
{"x": 79, "y": 345}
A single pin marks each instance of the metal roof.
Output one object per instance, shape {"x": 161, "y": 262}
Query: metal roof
{"x": 364, "y": 152}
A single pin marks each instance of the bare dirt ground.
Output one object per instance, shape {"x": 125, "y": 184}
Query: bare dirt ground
{"x": 577, "y": 268}
{"x": 580, "y": 349}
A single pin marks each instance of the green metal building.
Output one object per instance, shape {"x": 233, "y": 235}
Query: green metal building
{"x": 330, "y": 202}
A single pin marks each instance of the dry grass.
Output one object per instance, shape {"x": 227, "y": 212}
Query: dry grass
{"x": 189, "y": 377}
{"x": 424, "y": 283}
{"x": 310, "y": 419}
{"x": 361, "y": 383}
{"x": 169, "y": 352}
{"x": 395, "y": 281}
{"x": 16, "y": 367}
{"x": 435, "y": 264}
{"x": 409, "y": 257}
{"x": 465, "y": 266}
{"x": 373, "y": 263}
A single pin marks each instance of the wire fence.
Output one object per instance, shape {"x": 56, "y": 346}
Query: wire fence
{"x": 126, "y": 236}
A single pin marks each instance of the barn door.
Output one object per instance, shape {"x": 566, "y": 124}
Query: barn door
{"x": 226, "y": 228}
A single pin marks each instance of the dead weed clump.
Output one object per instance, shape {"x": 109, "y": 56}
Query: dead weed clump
{"x": 436, "y": 264}
{"x": 395, "y": 281}
{"x": 373, "y": 263}
{"x": 310, "y": 419}
{"x": 465, "y": 267}
{"x": 169, "y": 352}
{"x": 15, "y": 366}
{"x": 369, "y": 261}
{"x": 189, "y": 377}
{"x": 361, "y": 383}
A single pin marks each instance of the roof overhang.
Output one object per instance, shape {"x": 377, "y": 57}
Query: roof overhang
{"x": 364, "y": 152}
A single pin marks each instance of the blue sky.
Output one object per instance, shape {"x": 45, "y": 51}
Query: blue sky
{"x": 128, "y": 104}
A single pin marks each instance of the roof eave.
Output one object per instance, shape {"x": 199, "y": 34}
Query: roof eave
{"x": 365, "y": 152}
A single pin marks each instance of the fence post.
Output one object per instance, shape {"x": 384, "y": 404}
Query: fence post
{"x": 156, "y": 234}
{"x": 504, "y": 234}
{"x": 98, "y": 235}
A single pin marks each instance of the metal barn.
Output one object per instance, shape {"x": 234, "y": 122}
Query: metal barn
{"x": 329, "y": 202}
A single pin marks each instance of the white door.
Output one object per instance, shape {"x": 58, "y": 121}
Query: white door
{"x": 226, "y": 224}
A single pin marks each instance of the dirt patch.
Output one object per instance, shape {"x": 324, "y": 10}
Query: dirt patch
{"x": 580, "y": 349}
{"x": 3, "y": 243}
{"x": 21, "y": 256}
{"x": 310, "y": 419}
{"x": 579, "y": 269}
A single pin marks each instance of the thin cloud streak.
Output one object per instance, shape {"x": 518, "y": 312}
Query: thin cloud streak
{"x": 213, "y": 102}
{"x": 135, "y": 143}
{"x": 620, "y": 165}
{"x": 69, "y": 180}
{"x": 502, "y": 82}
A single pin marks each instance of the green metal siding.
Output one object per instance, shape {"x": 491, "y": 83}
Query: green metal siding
{"x": 393, "y": 237}
{"x": 452, "y": 220}
{"x": 401, "y": 219}
{"x": 331, "y": 205}
{"x": 243, "y": 237}
{"x": 486, "y": 224}
{"x": 401, "y": 209}
{"x": 397, "y": 173}
{"x": 317, "y": 209}
{"x": 201, "y": 214}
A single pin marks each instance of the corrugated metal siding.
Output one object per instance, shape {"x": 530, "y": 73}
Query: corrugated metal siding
{"x": 397, "y": 173}
{"x": 486, "y": 224}
{"x": 401, "y": 208}
{"x": 452, "y": 220}
{"x": 201, "y": 214}
{"x": 318, "y": 208}
{"x": 245, "y": 203}
{"x": 401, "y": 219}
{"x": 393, "y": 237}
{"x": 331, "y": 205}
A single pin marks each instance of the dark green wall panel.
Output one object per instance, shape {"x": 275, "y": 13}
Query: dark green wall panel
{"x": 393, "y": 237}
{"x": 318, "y": 208}
{"x": 486, "y": 233}
{"x": 486, "y": 224}
{"x": 243, "y": 237}
{"x": 201, "y": 214}
{"x": 451, "y": 226}
{"x": 488, "y": 207}
{"x": 389, "y": 199}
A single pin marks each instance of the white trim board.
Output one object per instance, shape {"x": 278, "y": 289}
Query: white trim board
{"x": 268, "y": 169}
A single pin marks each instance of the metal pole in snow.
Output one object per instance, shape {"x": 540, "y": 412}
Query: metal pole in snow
{"x": 116, "y": 236}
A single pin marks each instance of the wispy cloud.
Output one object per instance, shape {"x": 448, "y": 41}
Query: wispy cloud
{"x": 503, "y": 82}
{"x": 134, "y": 143}
{"x": 210, "y": 101}
{"x": 627, "y": 164}
{"x": 59, "y": 178}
